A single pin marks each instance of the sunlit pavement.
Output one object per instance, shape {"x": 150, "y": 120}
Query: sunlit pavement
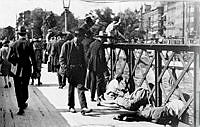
{"x": 101, "y": 115}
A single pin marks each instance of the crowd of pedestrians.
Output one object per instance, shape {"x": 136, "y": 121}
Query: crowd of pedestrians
{"x": 77, "y": 57}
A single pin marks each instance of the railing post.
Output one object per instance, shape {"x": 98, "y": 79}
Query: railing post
{"x": 196, "y": 121}
{"x": 131, "y": 61}
{"x": 158, "y": 67}
{"x": 111, "y": 62}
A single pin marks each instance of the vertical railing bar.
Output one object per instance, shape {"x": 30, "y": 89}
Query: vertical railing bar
{"x": 195, "y": 87}
{"x": 159, "y": 60}
{"x": 156, "y": 79}
{"x": 111, "y": 61}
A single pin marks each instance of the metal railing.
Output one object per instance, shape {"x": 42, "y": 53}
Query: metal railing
{"x": 172, "y": 69}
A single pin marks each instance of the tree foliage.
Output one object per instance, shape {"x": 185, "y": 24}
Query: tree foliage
{"x": 38, "y": 21}
{"x": 130, "y": 23}
{"x": 72, "y": 22}
{"x": 8, "y": 32}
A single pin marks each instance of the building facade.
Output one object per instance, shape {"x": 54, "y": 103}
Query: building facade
{"x": 180, "y": 20}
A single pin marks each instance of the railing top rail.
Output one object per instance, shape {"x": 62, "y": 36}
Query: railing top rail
{"x": 174, "y": 47}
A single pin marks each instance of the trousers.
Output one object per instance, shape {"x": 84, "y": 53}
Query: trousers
{"x": 76, "y": 79}
{"x": 61, "y": 78}
{"x": 21, "y": 90}
{"x": 97, "y": 84}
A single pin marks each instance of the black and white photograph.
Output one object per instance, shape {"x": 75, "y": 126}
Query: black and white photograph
{"x": 99, "y": 63}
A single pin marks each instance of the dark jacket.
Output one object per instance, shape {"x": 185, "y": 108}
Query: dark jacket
{"x": 86, "y": 45}
{"x": 21, "y": 53}
{"x": 55, "y": 52}
{"x": 64, "y": 54}
{"x": 96, "y": 56}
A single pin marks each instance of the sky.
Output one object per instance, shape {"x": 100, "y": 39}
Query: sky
{"x": 10, "y": 9}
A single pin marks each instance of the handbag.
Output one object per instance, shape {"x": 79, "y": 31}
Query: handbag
{"x": 66, "y": 70}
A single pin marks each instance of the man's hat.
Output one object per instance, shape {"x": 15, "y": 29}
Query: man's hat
{"x": 22, "y": 30}
{"x": 89, "y": 20}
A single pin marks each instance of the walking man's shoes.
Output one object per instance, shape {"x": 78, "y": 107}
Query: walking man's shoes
{"x": 20, "y": 112}
{"x": 6, "y": 86}
{"x": 25, "y": 106}
{"x": 72, "y": 110}
{"x": 86, "y": 110}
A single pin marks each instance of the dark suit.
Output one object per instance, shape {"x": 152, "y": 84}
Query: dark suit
{"x": 55, "y": 53}
{"x": 22, "y": 50}
{"x": 78, "y": 70}
{"x": 97, "y": 66}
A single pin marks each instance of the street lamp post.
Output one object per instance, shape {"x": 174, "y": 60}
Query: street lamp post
{"x": 66, "y": 5}
{"x": 32, "y": 26}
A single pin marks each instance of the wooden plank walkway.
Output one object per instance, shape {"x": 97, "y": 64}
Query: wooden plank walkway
{"x": 40, "y": 112}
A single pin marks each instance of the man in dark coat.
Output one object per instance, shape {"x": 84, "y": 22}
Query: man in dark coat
{"x": 19, "y": 55}
{"x": 55, "y": 53}
{"x": 72, "y": 56}
{"x": 87, "y": 25}
{"x": 97, "y": 66}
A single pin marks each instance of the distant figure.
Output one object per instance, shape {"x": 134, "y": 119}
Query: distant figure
{"x": 111, "y": 28}
{"x": 72, "y": 58}
{"x": 55, "y": 53}
{"x": 38, "y": 50}
{"x": 87, "y": 25}
{"x": 52, "y": 39}
{"x": 97, "y": 66}
{"x": 21, "y": 55}
{"x": 6, "y": 65}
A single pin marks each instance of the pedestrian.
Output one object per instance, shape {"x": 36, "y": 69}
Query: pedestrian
{"x": 6, "y": 65}
{"x": 72, "y": 58}
{"x": 87, "y": 25}
{"x": 111, "y": 29}
{"x": 55, "y": 53}
{"x": 21, "y": 55}
{"x": 86, "y": 44}
{"x": 97, "y": 67}
{"x": 52, "y": 39}
{"x": 38, "y": 51}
